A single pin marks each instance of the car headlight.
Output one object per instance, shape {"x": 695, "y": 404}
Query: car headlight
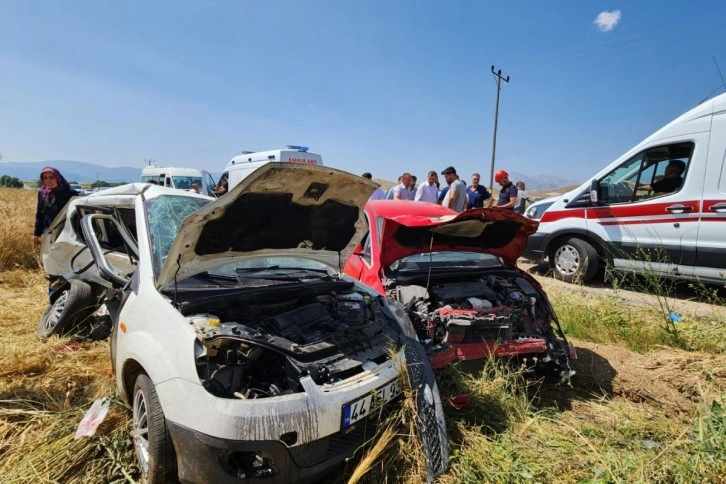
{"x": 397, "y": 311}
{"x": 537, "y": 210}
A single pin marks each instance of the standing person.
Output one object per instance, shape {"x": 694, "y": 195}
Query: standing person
{"x": 476, "y": 193}
{"x": 508, "y": 193}
{"x": 428, "y": 191}
{"x": 52, "y": 197}
{"x": 379, "y": 194}
{"x": 455, "y": 197}
{"x": 389, "y": 193}
{"x": 412, "y": 187}
{"x": 522, "y": 198}
{"x": 402, "y": 191}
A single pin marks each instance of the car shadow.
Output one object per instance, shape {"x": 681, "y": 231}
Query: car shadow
{"x": 496, "y": 394}
{"x": 593, "y": 380}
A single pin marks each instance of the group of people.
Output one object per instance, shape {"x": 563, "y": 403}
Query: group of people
{"x": 456, "y": 194}
{"x": 56, "y": 192}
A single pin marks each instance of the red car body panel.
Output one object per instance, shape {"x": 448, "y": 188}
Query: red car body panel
{"x": 396, "y": 230}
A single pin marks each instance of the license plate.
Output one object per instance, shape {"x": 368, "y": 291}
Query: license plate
{"x": 362, "y": 407}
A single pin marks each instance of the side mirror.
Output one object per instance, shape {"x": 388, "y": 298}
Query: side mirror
{"x": 594, "y": 192}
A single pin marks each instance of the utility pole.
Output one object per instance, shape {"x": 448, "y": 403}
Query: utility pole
{"x": 499, "y": 79}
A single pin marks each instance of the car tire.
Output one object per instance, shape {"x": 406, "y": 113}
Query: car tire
{"x": 573, "y": 260}
{"x": 152, "y": 441}
{"x": 70, "y": 307}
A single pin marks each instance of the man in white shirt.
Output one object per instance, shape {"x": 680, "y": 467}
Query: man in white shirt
{"x": 379, "y": 194}
{"x": 455, "y": 198}
{"x": 402, "y": 191}
{"x": 428, "y": 191}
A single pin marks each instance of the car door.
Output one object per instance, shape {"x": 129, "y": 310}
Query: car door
{"x": 645, "y": 231}
{"x": 710, "y": 259}
{"x": 208, "y": 184}
{"x": 364, "y": 265}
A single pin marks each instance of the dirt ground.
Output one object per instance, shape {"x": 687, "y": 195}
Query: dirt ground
{"x": 670, "y": 380}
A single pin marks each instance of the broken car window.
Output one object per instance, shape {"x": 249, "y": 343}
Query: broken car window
{"x": 165, "y": 216}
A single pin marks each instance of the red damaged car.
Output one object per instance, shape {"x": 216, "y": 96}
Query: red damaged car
{"x": 457, "y": 278}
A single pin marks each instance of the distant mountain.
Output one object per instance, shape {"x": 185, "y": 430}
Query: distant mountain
{"x": 83, "y": 172}
{"x": 77, "y": 171}
{"x": 541, "y": 182}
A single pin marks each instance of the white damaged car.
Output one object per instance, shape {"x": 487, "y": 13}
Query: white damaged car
{"x": 243, "y": 351}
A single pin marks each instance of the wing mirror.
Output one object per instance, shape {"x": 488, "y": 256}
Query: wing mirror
{"x": 594, "y": 192}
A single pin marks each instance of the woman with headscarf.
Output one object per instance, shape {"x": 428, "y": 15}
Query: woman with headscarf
{"x": 52, "y": 197}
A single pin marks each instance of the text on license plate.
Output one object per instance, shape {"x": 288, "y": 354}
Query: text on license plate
{"x": 361, "y": 408}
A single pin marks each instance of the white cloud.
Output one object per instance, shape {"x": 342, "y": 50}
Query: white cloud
{"x": 606, "y": 21}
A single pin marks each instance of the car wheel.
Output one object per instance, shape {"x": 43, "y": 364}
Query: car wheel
{"x": 574, "y": 260}
{"x": 152, "y": 442}
{"x": 72, "y": 306}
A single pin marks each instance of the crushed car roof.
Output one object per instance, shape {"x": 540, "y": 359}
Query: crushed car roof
{"x": 281, "y": 208}
{"x": 414, "y": 228}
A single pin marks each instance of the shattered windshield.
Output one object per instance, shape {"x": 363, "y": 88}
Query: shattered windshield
{"x": 165, "y": 215}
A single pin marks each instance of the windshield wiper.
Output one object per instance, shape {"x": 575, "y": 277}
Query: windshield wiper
{"x": 281, "y": 273}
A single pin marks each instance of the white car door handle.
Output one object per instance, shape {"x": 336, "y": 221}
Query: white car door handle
{"x": 718, "y": 208}
{"x": 678, "y": 208}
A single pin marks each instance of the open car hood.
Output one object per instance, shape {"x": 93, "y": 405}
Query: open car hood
{"x": 310, "y": 211}
{"x": 495, "y": 231}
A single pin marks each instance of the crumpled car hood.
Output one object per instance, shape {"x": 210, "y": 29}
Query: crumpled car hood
{"x": 499, "y": 232}
{"x": 281, "y": 208}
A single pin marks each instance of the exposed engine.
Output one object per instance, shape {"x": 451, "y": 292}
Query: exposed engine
{"x": 263, "y": 349}
{"x": 495, "y": 309}
{"x": 491, "y": 308}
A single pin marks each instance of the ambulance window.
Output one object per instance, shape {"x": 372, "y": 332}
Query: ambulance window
{"x": 654, "y": 172}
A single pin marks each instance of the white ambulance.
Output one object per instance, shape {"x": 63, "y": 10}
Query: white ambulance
{"x": 660, "y": 208}
{"x": 245, "y": 163}
{"x": 181, "y": 178}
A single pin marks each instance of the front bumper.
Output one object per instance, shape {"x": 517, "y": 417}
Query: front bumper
{"x": 535, "y": 250}
{"x": 475, "y": 351}
{"x": 203, "y": 458}
{"x": 441, "y": 356}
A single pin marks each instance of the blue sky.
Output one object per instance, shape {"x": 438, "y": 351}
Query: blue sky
{"x": 379, "y": 86}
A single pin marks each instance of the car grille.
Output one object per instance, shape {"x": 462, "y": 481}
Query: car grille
{"x": 345, "y": 441}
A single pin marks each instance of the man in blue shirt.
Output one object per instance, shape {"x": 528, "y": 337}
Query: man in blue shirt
{"x": 389, "y": 193}
{"x": 477, "y": 194}
{"x": 402, "y": 191}
{"x": 508, "y": 193}
{"x": 379, "y": 194}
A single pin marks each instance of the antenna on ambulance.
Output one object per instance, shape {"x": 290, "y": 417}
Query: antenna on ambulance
{"x": 723, "y": 83}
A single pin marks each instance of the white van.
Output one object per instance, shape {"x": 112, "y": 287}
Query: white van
{"x": 182, "y": 178}
{"x": 639, "y": 214}
{"x": 243, "y": 164}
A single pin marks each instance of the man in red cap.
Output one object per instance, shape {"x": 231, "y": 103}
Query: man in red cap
{"x": 508, "y": 193}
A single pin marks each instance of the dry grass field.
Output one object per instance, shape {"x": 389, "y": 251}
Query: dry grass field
{"x": 646, "y": 405}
